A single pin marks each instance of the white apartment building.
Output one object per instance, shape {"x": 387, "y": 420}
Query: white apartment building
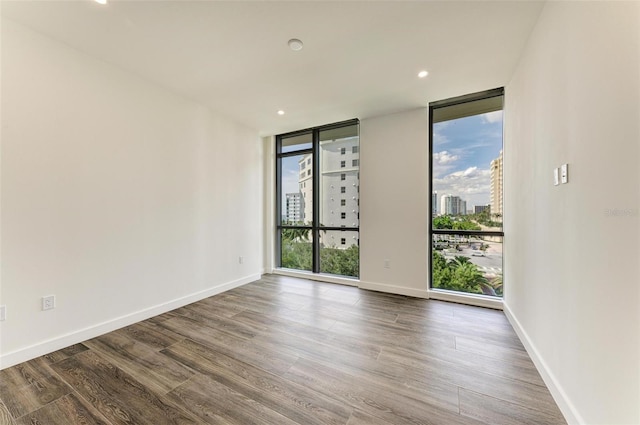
{"x": 305, "y": 182}
{"x": 293, "y": 207}
{"x": 496, "y": 185}
{"x": 339, "y": 190}
{"x": 452, "y": 205}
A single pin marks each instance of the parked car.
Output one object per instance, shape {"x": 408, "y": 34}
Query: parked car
{"x": 477, "y": 253}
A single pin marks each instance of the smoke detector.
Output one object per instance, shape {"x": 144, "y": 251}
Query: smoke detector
{"x": 295, "y": 44}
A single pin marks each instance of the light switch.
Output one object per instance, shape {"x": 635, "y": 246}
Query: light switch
{"x": 556, "y": 176}
{"x": 564, "y": 173}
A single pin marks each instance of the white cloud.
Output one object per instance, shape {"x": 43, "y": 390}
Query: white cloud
{"x": 439, "y": 139}
{"x": 443, "y": 162}
{"x": 492, "y": 117}
{"x": 444, "y": 157}
{"x": 472, "y": 185}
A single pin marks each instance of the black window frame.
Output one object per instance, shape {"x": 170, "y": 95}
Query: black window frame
{"x": 315, "y": 227}
{"x": 473, "y": 97}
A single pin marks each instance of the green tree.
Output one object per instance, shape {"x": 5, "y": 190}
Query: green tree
{"x": 454, "y": 223}
{"x": 296, "y": 249}
{"x": 460, "y": 274}
{"x": 343, "y": 262}
{"x": 441, "y": 274}
{"x": 295, "y": 234}
{"x": 442, "y": 222}
{"x": 297, "y": 253}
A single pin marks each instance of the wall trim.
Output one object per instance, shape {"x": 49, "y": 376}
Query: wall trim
{"x": 58, "y": 343}
{"x": 567, "y": 408}
{"x": 394, "y": 289}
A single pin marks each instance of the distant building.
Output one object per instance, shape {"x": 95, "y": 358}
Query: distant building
{"x": 496, "y": 185}
{"x": 434, "y": 204}
{"x": 452, "y": 205}
{"x": 477, "y": 209}
{"x": 293, "y": 207}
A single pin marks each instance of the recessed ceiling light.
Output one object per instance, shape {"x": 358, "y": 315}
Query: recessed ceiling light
{"x": 295, "y": 44}
{"x": 422, "y": 74}
{"x": 280, "y": 112}
{"x": 101, "y": 1}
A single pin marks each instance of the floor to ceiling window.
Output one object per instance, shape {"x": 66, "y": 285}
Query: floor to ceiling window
{"x": 466, "y": 194}
{"x": 317, "y": 217}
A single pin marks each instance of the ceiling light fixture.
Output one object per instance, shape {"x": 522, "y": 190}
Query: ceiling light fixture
{"x": 280, "y": 112}
{"x": 295, "y": 44}
{"x": 422, "y": 74}
{"x": 101, "y": 1}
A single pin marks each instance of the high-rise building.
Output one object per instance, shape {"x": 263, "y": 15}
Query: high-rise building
{"x": 339, "y": 190}
{"x": 305, "y": 183}
{"x": 293, "y": 207}
{"x": 480, "y": 208}
{"x": 452, "y": 205}
{"x": 434, "y": 204}
{"x": 496, "y": 185}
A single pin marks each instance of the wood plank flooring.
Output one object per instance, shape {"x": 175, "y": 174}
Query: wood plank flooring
{"x": 290, "y": 351}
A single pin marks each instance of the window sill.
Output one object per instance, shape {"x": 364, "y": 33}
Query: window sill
{"x": 318, "y": 277}
{"x": 469, "y": 299}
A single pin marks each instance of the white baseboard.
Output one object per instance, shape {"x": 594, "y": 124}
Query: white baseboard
{"x": 394, "y": 289}
{"x": 54, "y": 344}
{"x": 567, "y": 408}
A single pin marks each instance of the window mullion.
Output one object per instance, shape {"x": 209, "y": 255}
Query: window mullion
{"x": 316, "y": 201}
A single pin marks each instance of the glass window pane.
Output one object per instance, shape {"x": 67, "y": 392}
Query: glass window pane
{"x": 300, "y": 220}
{"x": 467, "y": 172}
{"x": 297, "y": 190}
{"x": 471, "y": 264}
{"x": 296, "y": 248}
{"x": 339, "y": 178}
{"x": 296, "y": 143}
{"x": 340, "y": 252}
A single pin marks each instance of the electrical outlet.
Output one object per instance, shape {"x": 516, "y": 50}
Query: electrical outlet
{"x": 387, "y": 264}
{"x": 49, "y": 302}
{"x": 240, "y": 260}
{"x": 3, "y": 313}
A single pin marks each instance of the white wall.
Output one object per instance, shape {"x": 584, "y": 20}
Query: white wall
{"x": 119, "y": 197}
{"x": 394, "y": 210}
{"x": 571, "y": 267}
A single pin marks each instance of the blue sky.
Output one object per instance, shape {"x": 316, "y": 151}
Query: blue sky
{"x": 462, "y": 152}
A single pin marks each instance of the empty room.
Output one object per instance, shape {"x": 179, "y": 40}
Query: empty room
{"x": 319, "y": 212}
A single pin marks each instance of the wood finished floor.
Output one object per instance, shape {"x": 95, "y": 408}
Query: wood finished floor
{"x": 290, "y": 351}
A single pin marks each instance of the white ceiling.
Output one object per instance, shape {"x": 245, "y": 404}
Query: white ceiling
{"x": 360, "y": 59}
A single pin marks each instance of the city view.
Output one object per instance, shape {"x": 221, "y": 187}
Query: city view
{"x": 467, "y": 196}
{"x": 337, "y": 226}
{"x": 466, "y": 201}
